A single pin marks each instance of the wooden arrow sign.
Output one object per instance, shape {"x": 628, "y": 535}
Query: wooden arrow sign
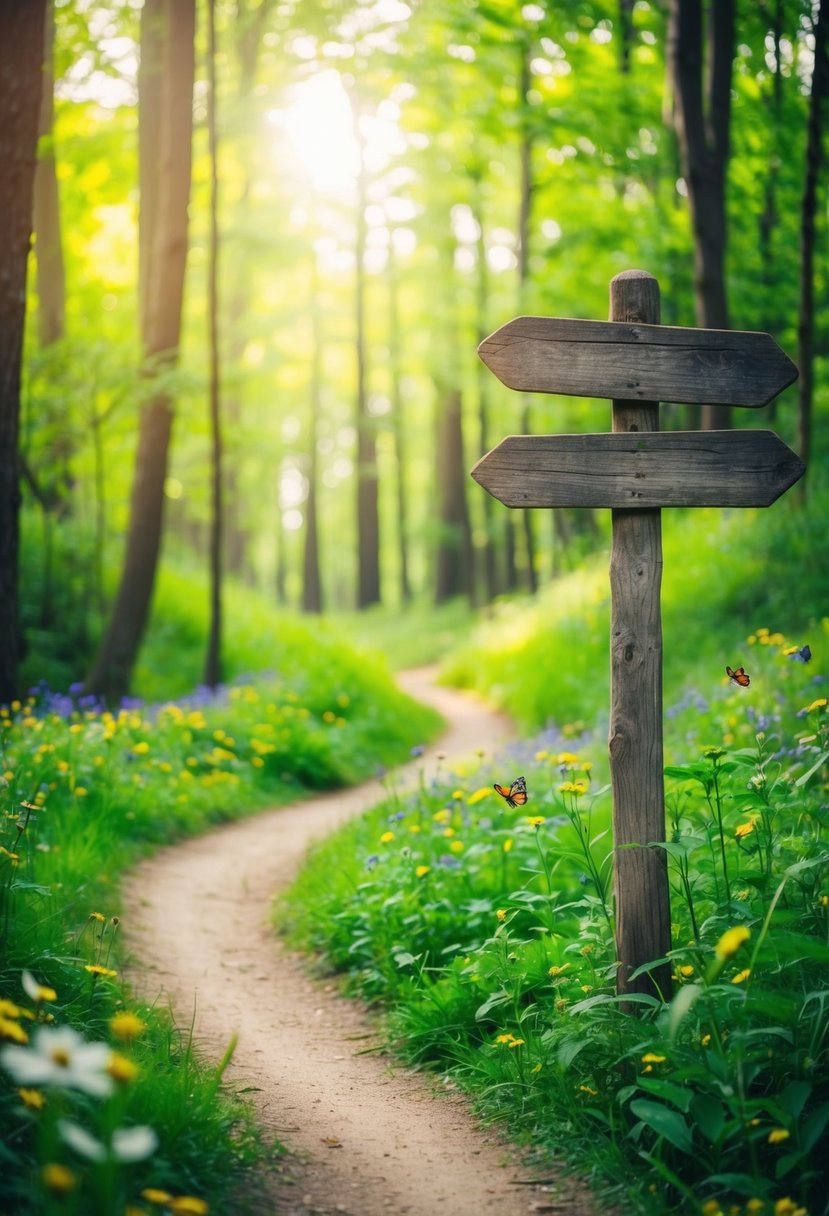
{"x": 645, "y": 469}
{"x": 638, "y": 362}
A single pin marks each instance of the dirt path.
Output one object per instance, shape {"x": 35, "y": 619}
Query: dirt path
{"x": 367, "y": 1140}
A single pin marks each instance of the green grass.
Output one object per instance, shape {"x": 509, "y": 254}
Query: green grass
{"x": 487, "y": 934}
{"x": 85, "y": 793}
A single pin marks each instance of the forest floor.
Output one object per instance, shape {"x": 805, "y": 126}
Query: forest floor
{"x": 365, "y": 1137}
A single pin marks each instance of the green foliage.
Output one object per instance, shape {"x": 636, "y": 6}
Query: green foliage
{"x": 85, "y": 792}
{"x": 488, "y": 934}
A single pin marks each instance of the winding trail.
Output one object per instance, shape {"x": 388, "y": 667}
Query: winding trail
{"x": 365, "y": 1139}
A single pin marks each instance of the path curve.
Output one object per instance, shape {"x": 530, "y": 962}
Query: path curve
{"x": 365, "y": 1139}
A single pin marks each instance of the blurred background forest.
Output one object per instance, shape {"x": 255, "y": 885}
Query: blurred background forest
{"x": 374, "y": 187}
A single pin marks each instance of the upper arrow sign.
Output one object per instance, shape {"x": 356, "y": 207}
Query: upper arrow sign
{"x": 638, "y": 362}
{"x": 640, "y": 469}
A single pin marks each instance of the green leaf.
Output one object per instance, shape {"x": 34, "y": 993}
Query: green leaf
{"x": 794, "y": 1097}
{"x": 666, "y": 1123}
{"x": 668, "y": 1092}
{"x": 680, "y": 1007}
{"x": 814, "y": 1126}
{"x": 709, "y": 1115}
{"x": 492, "y": 1002}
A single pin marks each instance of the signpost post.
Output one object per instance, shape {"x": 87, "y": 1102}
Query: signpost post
{"x": 635, "y": 471}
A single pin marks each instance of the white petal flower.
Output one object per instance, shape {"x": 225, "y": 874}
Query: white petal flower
{"x": 134, "y": 1143}
{"x": 82, "y": 1141}
{"x": 62, "y": 1057}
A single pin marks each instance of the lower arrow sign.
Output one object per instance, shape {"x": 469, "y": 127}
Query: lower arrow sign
{"x": 640, "y": 469}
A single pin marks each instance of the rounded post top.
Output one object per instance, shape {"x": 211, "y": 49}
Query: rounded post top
{"x": 634, "y": 297}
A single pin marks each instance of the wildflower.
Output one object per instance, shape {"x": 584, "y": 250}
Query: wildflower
{"x": 651, "y": 1057}
{"x": 509, "y": 1040}
{"x": 128, "y": 1144}
{"x": 33, "y": 1099}
{"x": 554, "y": 971}
{"x": 777, "y": 1135}
{"x": 154, "y": 1195}
{"x": 686, "y": 971}
{"x": 819, "y": 704}
{"x": 508, "y": 848}
{"x": 442, "y": 816}
{"x": 126, "y": 1026}
{"x": 713, "y": 753}
{"x": 731, "y": 941}
{"x": 62, "y": 1057}
{"x": 387, "y": 838}
{"x": 478, "y": 795}
{"x": 421, "y": 870}
{"x": 98, "y": 969}
{"x": 99, "y": 916}
{"x": 711, "y": 1208}
{"x": 566, "y": 759}
{"x": 8, "y": 1009}
{"x": 788, "y": 1207}
{"x": 11, "y": 1030}
{"x": 585, "y": 1089}
{"x": 755, "y": 1205}
{"x": 501, "y": 913}
{"x": 121, "y": 1069}
{"x": 57, "y": 1178}
{"x": 535, "y": 821}
{"x": 741, "y": 976}
{"x": 744, "y": 829}
{"x": 188, "y": 1205}
{"x": 37, "y": 992}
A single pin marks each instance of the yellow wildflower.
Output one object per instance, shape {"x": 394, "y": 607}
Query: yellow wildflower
{"x": 387, "y": 838}
{"x": 731, "y": 941}
{"x": 421, "y": 870}
{"x": 777, "y": 1135}
{"x": 741, "y": 976}
{"x": 58, "y": 1178}
{"x": 32, "y": 1098}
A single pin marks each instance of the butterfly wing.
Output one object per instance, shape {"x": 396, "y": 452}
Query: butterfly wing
{"x": 516, "y": 794}
{"x": 739, "y": 676}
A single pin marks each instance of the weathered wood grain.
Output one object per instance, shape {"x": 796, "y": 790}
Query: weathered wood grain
{"x": 643, "y": 914}
{"x": 749, "y": 468}
{"x": 636, "y": 362}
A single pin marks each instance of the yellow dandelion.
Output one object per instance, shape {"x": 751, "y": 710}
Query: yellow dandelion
{"x": 777, "y": 1135}
{"x": 154, "y": 1195}
{"x": 744, "y": 829}
{"x": 188, "y": 1205}
{"x": 32, "y": 1098}
{"x": 478, "y": 795}
{"x": 58, "y": 1179}
{"x": 97, "y": 969}
{"x": 121, "y": 1069}
{"x": 421, "y": 870}
{"x": 741, "y": 976}
{"x": 501, "y": 913}
{"x": 13, "y": 1031}
{"x": 535, "y": 821}
{"x": 731, "y": 941}
{"x": 387, "y": 838}
{"x": 819, "y": 704}
{"x": 508, "y": 847}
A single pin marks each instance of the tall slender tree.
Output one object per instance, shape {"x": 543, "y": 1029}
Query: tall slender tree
{"x": 165, "y": 137}
{"x": 22, "y": 25}
{"x": 368, "y": 518}
{"x": 311, "y": 581}
{"x": 808, "y": 225}
{"x": 702, "y": 115}
{"x": 213, "y": 655}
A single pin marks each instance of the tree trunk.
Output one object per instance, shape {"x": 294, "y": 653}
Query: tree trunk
{"x": 51, "y": 281}
{"x": 489, "y": 553}
{"x": 22, "y": 25}
{"x": 399, "y": 432}
{"x": 524, "y": 213}
{"x": 702, "y": 116}
{"x": 808, "y": 212}
{"x": 213, "y": 655}
{"x": 311, "y": 581}
{"x": 164, "y": 225}
{"x": 454, "y": 551}
{"x": 368, "y": 521}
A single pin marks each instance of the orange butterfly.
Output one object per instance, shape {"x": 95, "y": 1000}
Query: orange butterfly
{"x": 739, "y": 676}
{"x": 516, "y": 795}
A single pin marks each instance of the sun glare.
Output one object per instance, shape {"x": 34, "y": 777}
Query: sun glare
{"x": 326, "y": 137}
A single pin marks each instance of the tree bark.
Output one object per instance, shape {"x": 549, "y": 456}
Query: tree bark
{"x": 165, "y": 226}
{"x": 808, "y": 220}
{"x": 311, "y": 581}
{"x": 368, "y": 520}
{"x": 702, "y": 116}
{"x": 454, "y": 556}
{"x": 22, "y": 24}
{"x": 51, "y": 279}
{"x": 213, "y": 656}
{"x": 399, "y": 432}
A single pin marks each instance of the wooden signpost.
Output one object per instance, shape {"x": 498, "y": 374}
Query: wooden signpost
{"x": 635, "y": 471}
